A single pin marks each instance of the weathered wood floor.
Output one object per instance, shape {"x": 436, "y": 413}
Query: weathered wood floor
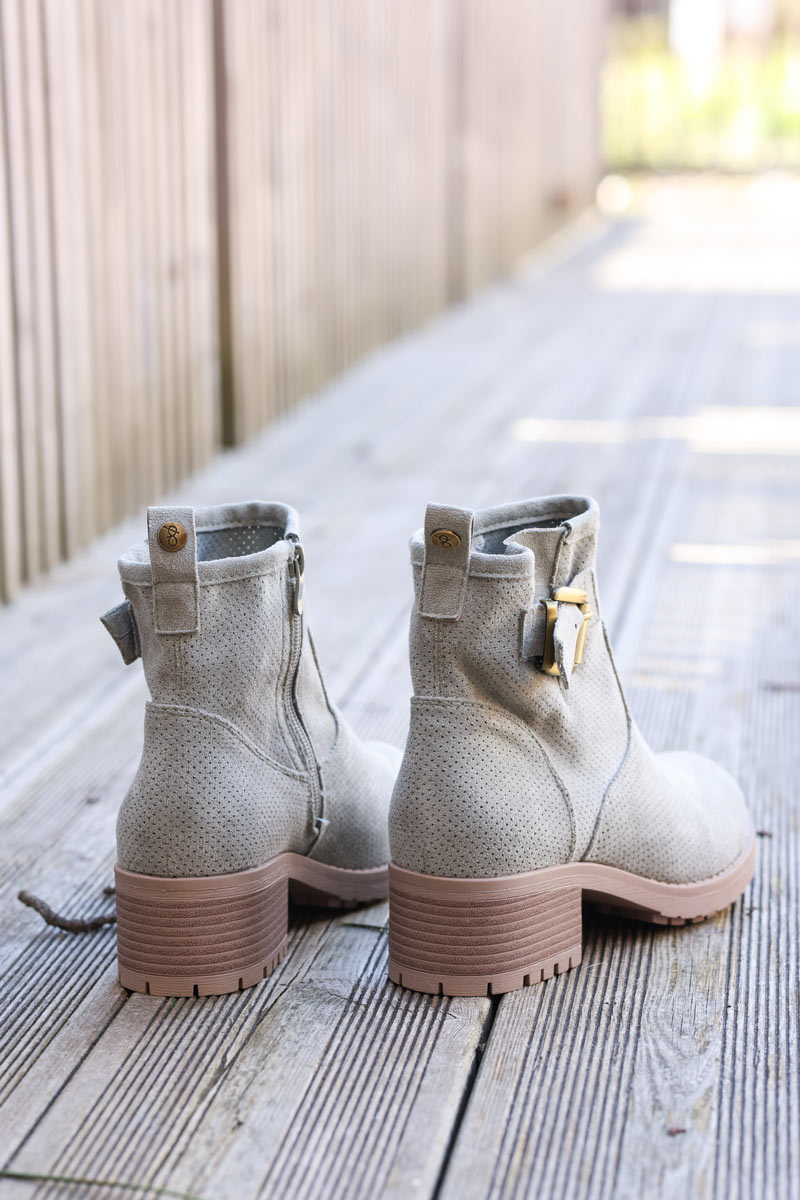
{"x": 655, "y": 365}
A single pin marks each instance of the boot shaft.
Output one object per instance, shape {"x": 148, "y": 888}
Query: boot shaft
{"x": 244, "y": 756}
{"x": 216, "y": 611}
{"x": 479, "y": 626}
{"x": 506, "y": 601}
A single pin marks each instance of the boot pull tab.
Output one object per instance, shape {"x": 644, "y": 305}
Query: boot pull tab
{"x": 173, "y": 561}
{"x": 448, "y": 539}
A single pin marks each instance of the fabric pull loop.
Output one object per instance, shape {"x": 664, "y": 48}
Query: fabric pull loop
{"x": 173, "y": 561}
{"x": 121, "y": 624}
{"x": 448, "y": 540}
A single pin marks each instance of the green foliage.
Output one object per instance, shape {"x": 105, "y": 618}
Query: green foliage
{"x": 743, "y": 115}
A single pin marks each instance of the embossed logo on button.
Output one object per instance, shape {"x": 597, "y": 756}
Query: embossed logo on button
{"x": 445, "y": 539}
{"x": 172, "y": 536}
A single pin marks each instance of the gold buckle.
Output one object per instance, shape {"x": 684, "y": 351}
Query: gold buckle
{"x": 564, "y": 595}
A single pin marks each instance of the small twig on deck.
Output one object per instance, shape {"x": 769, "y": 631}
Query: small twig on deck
{"x": 70, "y": 924}
{"x": 365, "y": 925}
{"x": 126, "y": 1185}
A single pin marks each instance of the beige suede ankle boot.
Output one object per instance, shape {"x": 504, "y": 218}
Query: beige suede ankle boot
{"x": 525, "y": 784}
{"x": 251, "y": 785}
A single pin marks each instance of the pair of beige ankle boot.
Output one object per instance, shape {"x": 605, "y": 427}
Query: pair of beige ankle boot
{"x": 525, "y": 785}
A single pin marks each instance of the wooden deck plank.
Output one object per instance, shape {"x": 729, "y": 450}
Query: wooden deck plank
{"x": 327, "y": 1081}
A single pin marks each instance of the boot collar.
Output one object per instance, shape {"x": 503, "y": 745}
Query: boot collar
{"x": 507, "y": 538}
{"x": 134, "y": 564}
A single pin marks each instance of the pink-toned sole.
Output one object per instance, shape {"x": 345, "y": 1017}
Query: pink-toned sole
{"x": 473, "y": 937}
{"x": 221, "y": 933}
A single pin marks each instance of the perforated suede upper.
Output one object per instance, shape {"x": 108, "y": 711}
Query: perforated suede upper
{"x": 221, "y": 785}
{"x": 473, "y": 801}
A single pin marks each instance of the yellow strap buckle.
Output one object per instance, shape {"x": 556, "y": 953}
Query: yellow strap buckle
{"x": 564, "y": 595}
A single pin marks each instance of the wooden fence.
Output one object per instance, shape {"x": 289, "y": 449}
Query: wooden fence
{"x": 209, "y": 207}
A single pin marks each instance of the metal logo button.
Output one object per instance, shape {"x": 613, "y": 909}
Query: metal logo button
{"x": 172, "y": 536}
{"x": 445, "y": 539}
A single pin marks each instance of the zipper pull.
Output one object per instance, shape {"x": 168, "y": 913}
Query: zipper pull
{"x": 297, "y": 566}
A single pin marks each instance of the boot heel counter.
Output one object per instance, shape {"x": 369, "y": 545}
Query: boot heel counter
{"x": 204, "y": 802}
{"x": 476, "y": 795}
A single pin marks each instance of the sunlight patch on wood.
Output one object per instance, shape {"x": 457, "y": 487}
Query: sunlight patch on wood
{"x": 743, "y": 554}
{"x": 720, "y": 429}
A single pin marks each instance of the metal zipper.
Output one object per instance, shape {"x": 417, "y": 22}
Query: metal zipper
{"x": 302, "y": 741}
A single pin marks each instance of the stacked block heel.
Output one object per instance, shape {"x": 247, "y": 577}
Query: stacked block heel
{"x": 469, "y": 937}
{"x": 202, "y": 937}
{"x": 220, "y": 933}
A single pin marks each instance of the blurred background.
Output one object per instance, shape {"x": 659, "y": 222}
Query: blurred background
{"x": 209, "y": 208}
{"x": 699, "y": 84}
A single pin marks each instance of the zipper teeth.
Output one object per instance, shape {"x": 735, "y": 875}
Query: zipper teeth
{"x": 302, "y": 741}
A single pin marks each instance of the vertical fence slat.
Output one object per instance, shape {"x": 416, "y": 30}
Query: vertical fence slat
{"x": 11, "y": 534}
{"x": 39, "y": 199}
{"x": 144, "y": 315}
{"x": 96, "y": 467}
{"x": 73, "y": 424}
{"x": 21, "y": 275}
{"x": 199, "y": 215}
